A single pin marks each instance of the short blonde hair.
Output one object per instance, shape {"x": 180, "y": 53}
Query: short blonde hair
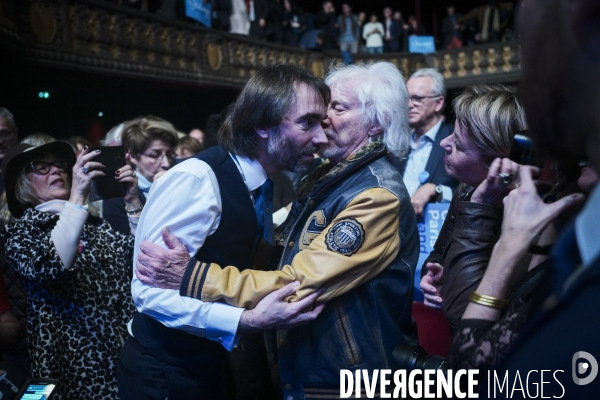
{"x": 491, "y": 115}
{"x": 140, "y": 132}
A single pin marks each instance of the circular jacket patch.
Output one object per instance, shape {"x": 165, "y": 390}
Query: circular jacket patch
{"x": 345, "y": 237}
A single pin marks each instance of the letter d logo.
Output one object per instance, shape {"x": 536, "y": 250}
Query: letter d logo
{"x": 583, "y": 367}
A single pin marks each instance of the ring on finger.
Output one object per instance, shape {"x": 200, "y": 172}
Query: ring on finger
{"x": 84, "y": 170}
{"x": 505, "y": 178}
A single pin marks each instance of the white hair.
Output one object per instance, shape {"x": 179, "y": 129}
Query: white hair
{"x": 113, "y": 137}
{"x": 439, "y": 84}
{"x": 383, "y": 99}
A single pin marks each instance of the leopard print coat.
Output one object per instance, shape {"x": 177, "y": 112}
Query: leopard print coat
{"x": 77, "y": 316}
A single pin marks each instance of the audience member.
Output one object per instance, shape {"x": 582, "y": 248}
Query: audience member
{"x": 347, "y": 23}
{"x": 361, "y": 192}
{"x": 74, "y": 267}
{"x": 180, "y": 343}
{"x": 561, "y": 97}
{"x": 80, "y": 142}
{"x": 113, "y": 137}
{"x": 492, "y": 324}
{"x": 197, "y": 134}
{"x": 451, "y": 36}
{"x": 372, "y": 33}
{"x": 492, "y": 18}
{"x": 240, "y": 18}
{"x": 326, "y": 21}
{"x": 291, "y": 21}
{"x": 393, "y": 31}
{"x": 362, "y": 20}
{"x": 423, "y": 171}
{"x": 487, "y": 118}
{"x": 37, "y": 139}
{"x": 150, "y": 143}
{"x": 10, "y": 329}
{"x": 8, "y": 137}
{"x": 221, "y": 11}
{"x": 186, "y": 148}
{"x": 258, "y": 14}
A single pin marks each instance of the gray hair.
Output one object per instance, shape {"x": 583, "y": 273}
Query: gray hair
{"x": 383, "y": 99}
{"x": 113, "y": 137}
{"x": 38, "y": 139}
{"x": 4, "y": 113}
{"x": 439, "y": 84}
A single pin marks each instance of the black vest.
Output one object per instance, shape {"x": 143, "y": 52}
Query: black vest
{"x": 233, "y": 243}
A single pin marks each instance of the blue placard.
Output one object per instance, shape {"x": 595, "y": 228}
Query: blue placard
{"x": 421, "y": 44}
{"x": 429, "y": 230}
{"x": 198, "y": 10}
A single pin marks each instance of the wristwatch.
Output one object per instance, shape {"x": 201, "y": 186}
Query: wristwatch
{"x": 438, "y": 193}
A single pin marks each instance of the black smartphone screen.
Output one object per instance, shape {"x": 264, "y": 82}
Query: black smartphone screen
{"x": 108, "y": 187}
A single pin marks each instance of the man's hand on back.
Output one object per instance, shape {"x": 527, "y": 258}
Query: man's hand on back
{"x": 160, "y": 267}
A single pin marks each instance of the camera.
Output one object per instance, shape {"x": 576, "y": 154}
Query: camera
{"x": 415, "y": 357}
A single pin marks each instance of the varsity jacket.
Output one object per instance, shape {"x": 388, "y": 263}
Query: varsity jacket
{"x": 353, "y": 232}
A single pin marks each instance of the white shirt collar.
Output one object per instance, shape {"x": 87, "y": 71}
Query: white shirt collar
{"x": 253, "y": 173}
{"x": 586, "y": 228}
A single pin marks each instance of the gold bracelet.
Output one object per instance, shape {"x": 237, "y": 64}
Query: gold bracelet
{"x": 488, "y": 301}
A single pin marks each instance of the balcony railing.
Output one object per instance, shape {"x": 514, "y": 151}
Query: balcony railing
{"x": 97, "y": 36}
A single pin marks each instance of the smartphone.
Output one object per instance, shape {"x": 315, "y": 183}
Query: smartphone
{"x": 38, "y": 389}
{"x": 107, "y": 187}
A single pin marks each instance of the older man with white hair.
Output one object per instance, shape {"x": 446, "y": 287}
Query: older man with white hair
{"x": 352, "y": 230}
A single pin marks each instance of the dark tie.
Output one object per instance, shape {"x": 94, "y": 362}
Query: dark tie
{"x": 263, "y": 206}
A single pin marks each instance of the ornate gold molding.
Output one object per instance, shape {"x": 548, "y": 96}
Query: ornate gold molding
{"x": 96, "y": 35}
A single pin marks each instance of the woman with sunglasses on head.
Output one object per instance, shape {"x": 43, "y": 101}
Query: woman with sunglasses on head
{"x": 76, "y": 270}
{"x": 150, "y": 143}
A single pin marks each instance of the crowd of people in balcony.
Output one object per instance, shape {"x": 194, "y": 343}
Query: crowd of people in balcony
{"x": 346, "y": 28}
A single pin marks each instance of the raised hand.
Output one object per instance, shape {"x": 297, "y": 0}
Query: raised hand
{"x": 84, "y": 171}
{"x": 493, "y": 189}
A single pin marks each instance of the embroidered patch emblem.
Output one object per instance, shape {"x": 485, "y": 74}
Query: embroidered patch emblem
{"x": 345, "y": 237}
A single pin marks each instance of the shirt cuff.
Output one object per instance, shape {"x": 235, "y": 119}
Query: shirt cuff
{"x": 222, "y": 325}
{"x": 446, "y": 194}
{"x": 280, "y": 216}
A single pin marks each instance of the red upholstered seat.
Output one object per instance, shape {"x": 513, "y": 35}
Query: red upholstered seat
{"x": 433, "y": 328}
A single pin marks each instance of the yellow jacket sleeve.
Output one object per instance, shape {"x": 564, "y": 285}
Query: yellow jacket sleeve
{"x": 372, "y": 221}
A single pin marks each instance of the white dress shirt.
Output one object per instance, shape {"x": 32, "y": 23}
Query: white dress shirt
{"x": 187, "y": 201}
{"x": 417, "y": 161}
{"x": 586, "y": 228}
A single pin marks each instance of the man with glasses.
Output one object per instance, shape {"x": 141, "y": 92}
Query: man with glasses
{"x": 8, "y": 137}
{"x": 423, "y": 170}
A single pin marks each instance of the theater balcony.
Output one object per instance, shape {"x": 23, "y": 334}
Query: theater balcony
{"x": 98, "y": 37}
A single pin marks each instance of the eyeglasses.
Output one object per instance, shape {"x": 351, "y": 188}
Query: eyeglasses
{"x": 159, "y": 157}
{"x": 5, "y": 134}
{"x": 418, "y": 100}
{"x": 43, "y": 167}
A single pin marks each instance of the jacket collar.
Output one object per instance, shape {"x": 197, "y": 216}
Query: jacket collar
{"x": 327, "y": 175}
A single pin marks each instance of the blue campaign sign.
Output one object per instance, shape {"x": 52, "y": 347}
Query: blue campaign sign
{"x": 421, "y": 44}
{"x": 198, "y": 10}
{"x": 429, "y": 230}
